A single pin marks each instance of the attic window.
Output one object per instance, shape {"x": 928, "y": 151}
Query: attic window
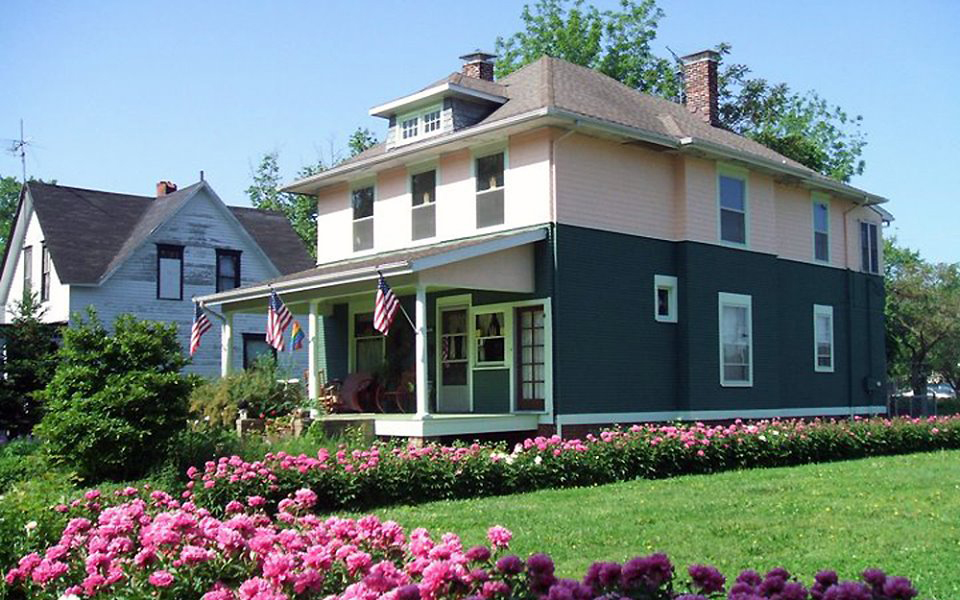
{"x": 420, "y": 124}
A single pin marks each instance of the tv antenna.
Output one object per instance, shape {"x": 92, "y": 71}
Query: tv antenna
{"x": 18, "y": 147}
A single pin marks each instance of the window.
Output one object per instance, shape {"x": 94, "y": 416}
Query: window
{"x": 453, "y": 347}
{"x": 869, "y": 257}
{"x": 490, "y": 337}
{"x": 822, "y": 338}
{"x": 368, "y": 345}
{"x": 489, "y": 175}
{"x": 665, "y": 298}
{"x": 821, "y": 229}
{"x": 736, "y": 340}
{"x": 420, "y": 124}
{"x": 44, "y": 274}
{"x": 169, "y": 272}
{"x": 363, "y": 218}
{"x": 733, "y": 207}
{"x": 424, "y": 189}
{"x": 254, "y": 346}
{"x": 27, "y": 271}
{"x": 531, "y": 358}
{"x": 228, "y": 269}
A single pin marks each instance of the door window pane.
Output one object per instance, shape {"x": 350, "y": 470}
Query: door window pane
{"x": 490, "y": 336}
{"x": 531, "y": 372}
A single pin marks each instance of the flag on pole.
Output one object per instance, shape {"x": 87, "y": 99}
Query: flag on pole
{"x": 201, "y": 325}
{"x": 386, "y": 307}
{"x": 278, "y": 319}
{"x": 296, "y": 337}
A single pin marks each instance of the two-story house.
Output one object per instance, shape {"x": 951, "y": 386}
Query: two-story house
{"x": 147, "y": 256}
{"x": 575, "y": 253}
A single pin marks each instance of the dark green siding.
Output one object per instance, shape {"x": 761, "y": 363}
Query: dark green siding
{"x": 333, "y": 354}
{"x": 613, "y": 356}
{"x": 491, "y": 391}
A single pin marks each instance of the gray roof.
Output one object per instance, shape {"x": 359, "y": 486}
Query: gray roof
{"x": 91, "y": 232}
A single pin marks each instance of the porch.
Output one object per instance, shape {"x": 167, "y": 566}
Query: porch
{"x": 470, "y": 353}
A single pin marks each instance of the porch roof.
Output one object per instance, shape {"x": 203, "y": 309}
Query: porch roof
{"x": 407, "y": 261}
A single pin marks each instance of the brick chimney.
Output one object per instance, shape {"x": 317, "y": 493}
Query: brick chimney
{"x": 700, "y": 85}
{"x": 478, "y": 65}
{"x": 165, "y": 187}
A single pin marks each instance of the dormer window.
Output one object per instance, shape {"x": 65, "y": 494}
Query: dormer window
{"x": 419, "y": 124}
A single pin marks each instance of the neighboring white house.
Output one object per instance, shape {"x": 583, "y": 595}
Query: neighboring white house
{"x": 148, "y": 256}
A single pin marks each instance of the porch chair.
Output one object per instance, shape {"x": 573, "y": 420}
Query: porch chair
{"x": 402, "y": 396}
{"x": 346, "y": 396}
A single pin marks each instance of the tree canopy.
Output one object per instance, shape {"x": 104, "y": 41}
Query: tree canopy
{"x": 617, "y": 42}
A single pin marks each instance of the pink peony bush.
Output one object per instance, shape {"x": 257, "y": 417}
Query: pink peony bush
{"x": 384, "y": 474}
{"x": 160, "y": 547}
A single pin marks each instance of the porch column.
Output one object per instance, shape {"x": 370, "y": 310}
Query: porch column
{"x": 420, "y": 359}
{"x": 226, "y": 344}
{"x": 313, "y": 331}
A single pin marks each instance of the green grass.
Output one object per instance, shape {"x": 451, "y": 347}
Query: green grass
{"x": 901, "y": 514}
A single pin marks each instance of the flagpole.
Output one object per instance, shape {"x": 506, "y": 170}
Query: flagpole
{"x": 402, "y": 309}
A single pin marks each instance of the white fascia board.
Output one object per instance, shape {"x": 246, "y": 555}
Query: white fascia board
{"x": 21, "y": 222}
{"x": 332, "y": 175}
{"x": 495, "y": 245}
{"x": 429, "y": 94}
{"x": 859, "y": 196}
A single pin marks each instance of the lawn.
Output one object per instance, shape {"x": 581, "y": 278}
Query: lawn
{"x": 901, "y": 514}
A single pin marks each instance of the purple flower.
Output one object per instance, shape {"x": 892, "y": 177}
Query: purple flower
{"x": 569, "y": 589}
{"x": 848, "y": 590}
{"x": 409, "y": 592}
{"x": 648, "y": 572}
{"x": 793, "y": 591}
{"x": 706, "y": 578}
{"x": 691, "y": 597}
{"x": 826, "y": 578}
{"x": 602, "y": 575}
{"x": 510, "y": 565}
{"x": 750, "y": 577}
{"x": 478, "y": 554}
{"x": 875, "y": 578}
{"x": 898, "y": 588}
{"x": 742, "y": 589}
{"x": 772, "y": 585}
{"x": 779, "y": 572}
{"x": 540, "y": 564}
{"x": 479, "y": 575}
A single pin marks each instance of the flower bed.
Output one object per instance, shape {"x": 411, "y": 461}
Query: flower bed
{"x": 383, "y": 474}
{"x": 159, "y": 547}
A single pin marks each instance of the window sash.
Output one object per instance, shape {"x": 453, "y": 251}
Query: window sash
{"x": 821, "y": 231}
{"x": 665, "y": 298}
{"x": 169, "y": 272}
{"x": 869, "y": 255}
{"x": 424, "y": 222}
{"x": 490, "y": 336}
{"x": 362, "y": 200}
{"x": 27, "y": 270}
{"x": 228, "y": 270}
{"x": 489, "y": 172}
{"x": 423, "y": 187}
{"x": 736, "y": 340}
{"x": 823, "y": 340}
{"x": 408, "y": 128}
{"x": 44, "y": 274}
{"x": 732, "y": 193}
{"x": 254, "y": 346}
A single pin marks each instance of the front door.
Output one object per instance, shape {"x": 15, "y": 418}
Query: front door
{"x": 531, "y": 358}
{"x": 454, "y": 391}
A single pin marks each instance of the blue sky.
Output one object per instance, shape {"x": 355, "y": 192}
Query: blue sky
{"x": 118, "y": 95}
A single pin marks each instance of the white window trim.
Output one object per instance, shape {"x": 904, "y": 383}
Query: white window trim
{"x": 725, "y": 170}
{"x": 461, "y": 301}
{"x": 668, "y": 282}
{"x": 819, "y": 198}
{"x": 481, "y": 152}
{"x": 823, "y": 310}
{"x": 741, "y": 300}
{"x": 416, "y": 169}
{"x": 506, "y": 332}
{"x": 421, "y": 124}
{"x": 354, "y": 186}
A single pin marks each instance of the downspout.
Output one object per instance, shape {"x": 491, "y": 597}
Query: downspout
{"x": 556, "y": 270}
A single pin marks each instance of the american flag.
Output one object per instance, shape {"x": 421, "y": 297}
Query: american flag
{"x": 278, "y": 319}
{"x": 386, "y": 307}
{"x": 201, "y": 325}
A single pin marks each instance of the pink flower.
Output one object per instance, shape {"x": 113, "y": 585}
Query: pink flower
{"x": 499, "y": 536}
{"x": 160, "y": 579}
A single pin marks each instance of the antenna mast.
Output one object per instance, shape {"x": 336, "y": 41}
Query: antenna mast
{"x": 19, "y": 148}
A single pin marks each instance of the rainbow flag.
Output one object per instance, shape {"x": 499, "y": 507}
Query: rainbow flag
{"x": 296, "y": 337}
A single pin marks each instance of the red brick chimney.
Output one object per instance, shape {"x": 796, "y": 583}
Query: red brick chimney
{"x": 700, "y": 85}
{"x": 478, "y": 65}
{"x": 165, "y": 187}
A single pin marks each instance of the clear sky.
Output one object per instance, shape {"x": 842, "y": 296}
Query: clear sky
{"x": 118, "y": 95}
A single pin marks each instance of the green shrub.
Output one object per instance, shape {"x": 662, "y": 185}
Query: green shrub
{"x": 115, "y": 398}
{"x": 20, "y": 459}
{"x": 260, "y": 390}
{"x": 195, "y": 446}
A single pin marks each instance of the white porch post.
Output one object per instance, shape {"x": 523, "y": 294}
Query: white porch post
{"x": 420, "y": 360}
{"x": 226, "y": 344}
{"x": 313, "y": 333}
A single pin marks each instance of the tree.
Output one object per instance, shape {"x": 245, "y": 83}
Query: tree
{"x": 922, "y": 314}
{"x": 360, "y": 140}
{"x": 31, "y": 349}
{"x": 116, "y": 398}
{"x": 9, "y": 199}
{"x": 616, "y": 42}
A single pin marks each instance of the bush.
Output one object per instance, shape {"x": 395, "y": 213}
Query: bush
{"x": 156, "y": 548}
{"x": 31, "y": 349}
{"x": 261, "y": 390}
{"x": 20, "y": 460}
{"x": 115, "y": 399}
{"x": 385, "y": 474}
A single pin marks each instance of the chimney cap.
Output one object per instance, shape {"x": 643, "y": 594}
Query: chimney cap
{"x": 478, "y": 55}
{"x": 712, "y": 55}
